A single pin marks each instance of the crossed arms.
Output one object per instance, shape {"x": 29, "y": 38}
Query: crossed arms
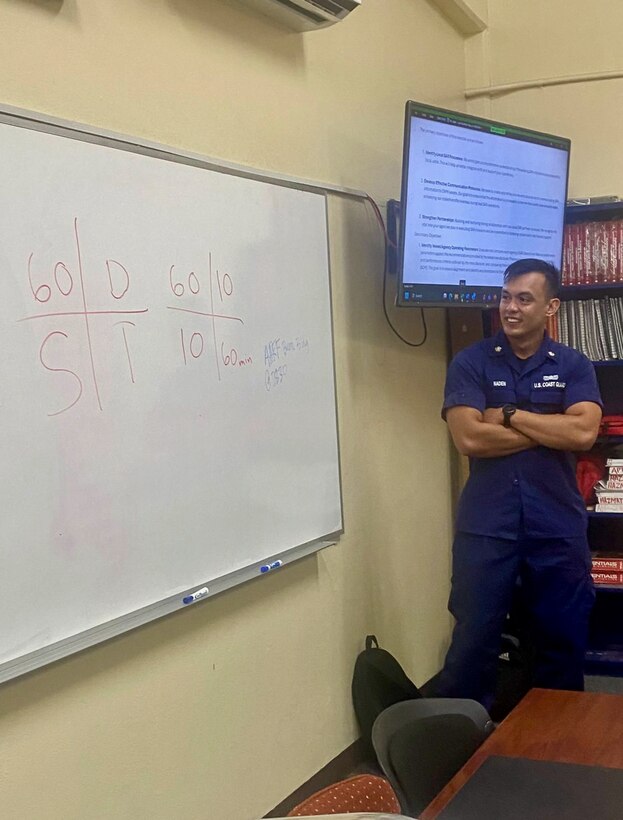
{"x": 481, "y": 434}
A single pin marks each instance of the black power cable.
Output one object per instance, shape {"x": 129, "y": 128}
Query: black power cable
{"x": 388, "y": 243}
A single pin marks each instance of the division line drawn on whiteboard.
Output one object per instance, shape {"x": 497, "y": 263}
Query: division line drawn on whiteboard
{"x": 86, "y": 315}
{"x": 193, "y": 345}
{"x": 218, "y": 368}
{"x": 80, "y": 313}
{"x": 65, "y": 282}
{"x": 209, "y": 314}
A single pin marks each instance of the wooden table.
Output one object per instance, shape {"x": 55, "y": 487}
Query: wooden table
{"x": 569, "y": 727}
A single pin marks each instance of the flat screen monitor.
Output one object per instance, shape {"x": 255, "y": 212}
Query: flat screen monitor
{"x": 476, "y": 196}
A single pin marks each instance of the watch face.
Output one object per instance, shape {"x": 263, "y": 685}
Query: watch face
{"x": 507, "y": 412}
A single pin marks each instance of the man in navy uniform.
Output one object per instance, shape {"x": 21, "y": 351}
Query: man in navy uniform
{"x": 519, "y": 404}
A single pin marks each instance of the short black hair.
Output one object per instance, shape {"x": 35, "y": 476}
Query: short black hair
{"x": 549, "y": 271}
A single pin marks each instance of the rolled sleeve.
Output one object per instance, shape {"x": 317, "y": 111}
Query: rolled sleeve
{"x": 463, "y": 385}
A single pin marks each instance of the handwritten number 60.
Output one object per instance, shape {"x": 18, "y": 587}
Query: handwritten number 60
{"x": 179, "y": 288}
{"x": 229, "y": 358}
{"x": 64, "y": 282}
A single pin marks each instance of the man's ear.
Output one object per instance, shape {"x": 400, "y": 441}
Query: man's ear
{"x": 552, "y": 307}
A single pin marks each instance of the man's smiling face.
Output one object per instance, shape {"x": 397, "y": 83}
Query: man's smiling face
{"x": 525, "y": 305}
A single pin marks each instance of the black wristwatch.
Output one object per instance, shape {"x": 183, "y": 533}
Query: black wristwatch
{"x": 507, "y": 411}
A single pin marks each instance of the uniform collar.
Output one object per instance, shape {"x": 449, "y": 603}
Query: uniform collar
{"x": 500, "y": 348}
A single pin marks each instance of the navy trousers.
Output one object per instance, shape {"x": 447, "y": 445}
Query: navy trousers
{"x": 558, "y": 595}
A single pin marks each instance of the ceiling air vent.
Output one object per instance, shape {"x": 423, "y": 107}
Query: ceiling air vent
{"x": 304, "y": 15}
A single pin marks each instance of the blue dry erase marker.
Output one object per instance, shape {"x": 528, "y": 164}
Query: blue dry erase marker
{"x": 268, "y": 567}
{"x": 196, "y": 596}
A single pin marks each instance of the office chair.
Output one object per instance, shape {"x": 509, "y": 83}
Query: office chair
{"x": 421, "y": 745}
{"x": 362, "y": 793}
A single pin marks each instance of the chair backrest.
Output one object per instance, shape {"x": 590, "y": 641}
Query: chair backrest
{"x": 362, "y": 793}
{"x": 422, "y": 744}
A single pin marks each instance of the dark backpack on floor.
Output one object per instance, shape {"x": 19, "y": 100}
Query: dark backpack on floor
{"x": 378, "y": 682}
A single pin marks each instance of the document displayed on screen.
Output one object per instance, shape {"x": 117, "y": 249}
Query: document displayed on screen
{"x": 477, "y": 198}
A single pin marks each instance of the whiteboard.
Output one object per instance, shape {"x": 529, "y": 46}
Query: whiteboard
{"x": 168, "y": 410}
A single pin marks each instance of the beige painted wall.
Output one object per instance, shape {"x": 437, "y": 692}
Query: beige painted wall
{"x": 535, "y": 40}
{"x": 219, "y": 712}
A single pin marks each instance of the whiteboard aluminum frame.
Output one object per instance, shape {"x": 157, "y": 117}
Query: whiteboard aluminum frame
{"x": 36, "y": 121}
{"x": 139, "y": 617}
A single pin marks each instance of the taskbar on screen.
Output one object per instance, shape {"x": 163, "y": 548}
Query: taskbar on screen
{"x": 447, "y": 296}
